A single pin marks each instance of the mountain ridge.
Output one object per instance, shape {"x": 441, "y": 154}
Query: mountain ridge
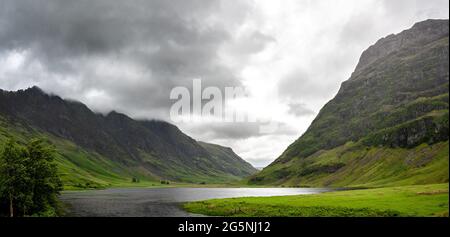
{"x": 153, "y": 149}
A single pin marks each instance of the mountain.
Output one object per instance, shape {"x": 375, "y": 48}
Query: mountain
{"x": 387, "y": 125}
{"x": 98, "y": 150}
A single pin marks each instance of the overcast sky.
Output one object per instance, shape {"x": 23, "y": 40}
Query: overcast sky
{"x": 291, "y": 56}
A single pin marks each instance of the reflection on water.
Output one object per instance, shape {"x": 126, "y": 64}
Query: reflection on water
{"x": 161, "y": 201}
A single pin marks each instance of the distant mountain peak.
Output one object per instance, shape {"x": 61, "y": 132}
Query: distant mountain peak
{"x": 34, "y": 89}
{"x": 421, "y": 33}
{"x": 114, "y": 113}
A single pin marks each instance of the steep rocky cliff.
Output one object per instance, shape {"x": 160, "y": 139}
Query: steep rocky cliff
{"x": 147, "y": 149}
{"x": 395, "y": 102}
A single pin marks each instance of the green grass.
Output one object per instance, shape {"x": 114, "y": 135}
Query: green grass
{"x": 417, "y": 200}
{"x": 356, "y": 165}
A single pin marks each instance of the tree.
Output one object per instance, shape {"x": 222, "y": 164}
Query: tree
{"x": 14, "y": 179}
{"x": 29, "y": 178}
{"x": 45, "y": 183}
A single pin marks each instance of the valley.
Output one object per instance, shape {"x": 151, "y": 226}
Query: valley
{"x": 380, "y": 147}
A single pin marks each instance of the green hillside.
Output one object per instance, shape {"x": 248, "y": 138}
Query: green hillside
{"x": 356, "y": 165}
{"x": 387, "y": 125}
{"x": 78, "y": 168}
{"x": 97, "y": 151}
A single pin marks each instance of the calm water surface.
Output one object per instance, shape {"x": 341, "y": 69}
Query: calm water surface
{"x": 160, "y": 201}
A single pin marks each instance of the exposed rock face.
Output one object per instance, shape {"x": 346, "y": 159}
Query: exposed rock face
{"x": 396, "y": 97}
{"x": 420, "y": 34}
{"x": 157, "y": 147}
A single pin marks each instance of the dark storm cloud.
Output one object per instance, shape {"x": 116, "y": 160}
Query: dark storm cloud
{"x": 71, "y": 28}
{"x": 300, "y": 109}
{"x": 166, "y": 44}
{"x": 227, "y": 130}
{"x": 235, "y": 130}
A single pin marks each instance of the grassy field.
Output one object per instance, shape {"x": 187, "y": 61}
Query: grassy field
{"x": 355, "y": 165}
{"x": 417, "y": 200}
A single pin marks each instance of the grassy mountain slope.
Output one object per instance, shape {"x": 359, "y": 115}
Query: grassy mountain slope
{"x": 387, "y": 125}
{"x": 78, "y": 168}
{"x": 218, "y": 153}
{"x": 356, "y": 165}
{"x": 97, "y": 150}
